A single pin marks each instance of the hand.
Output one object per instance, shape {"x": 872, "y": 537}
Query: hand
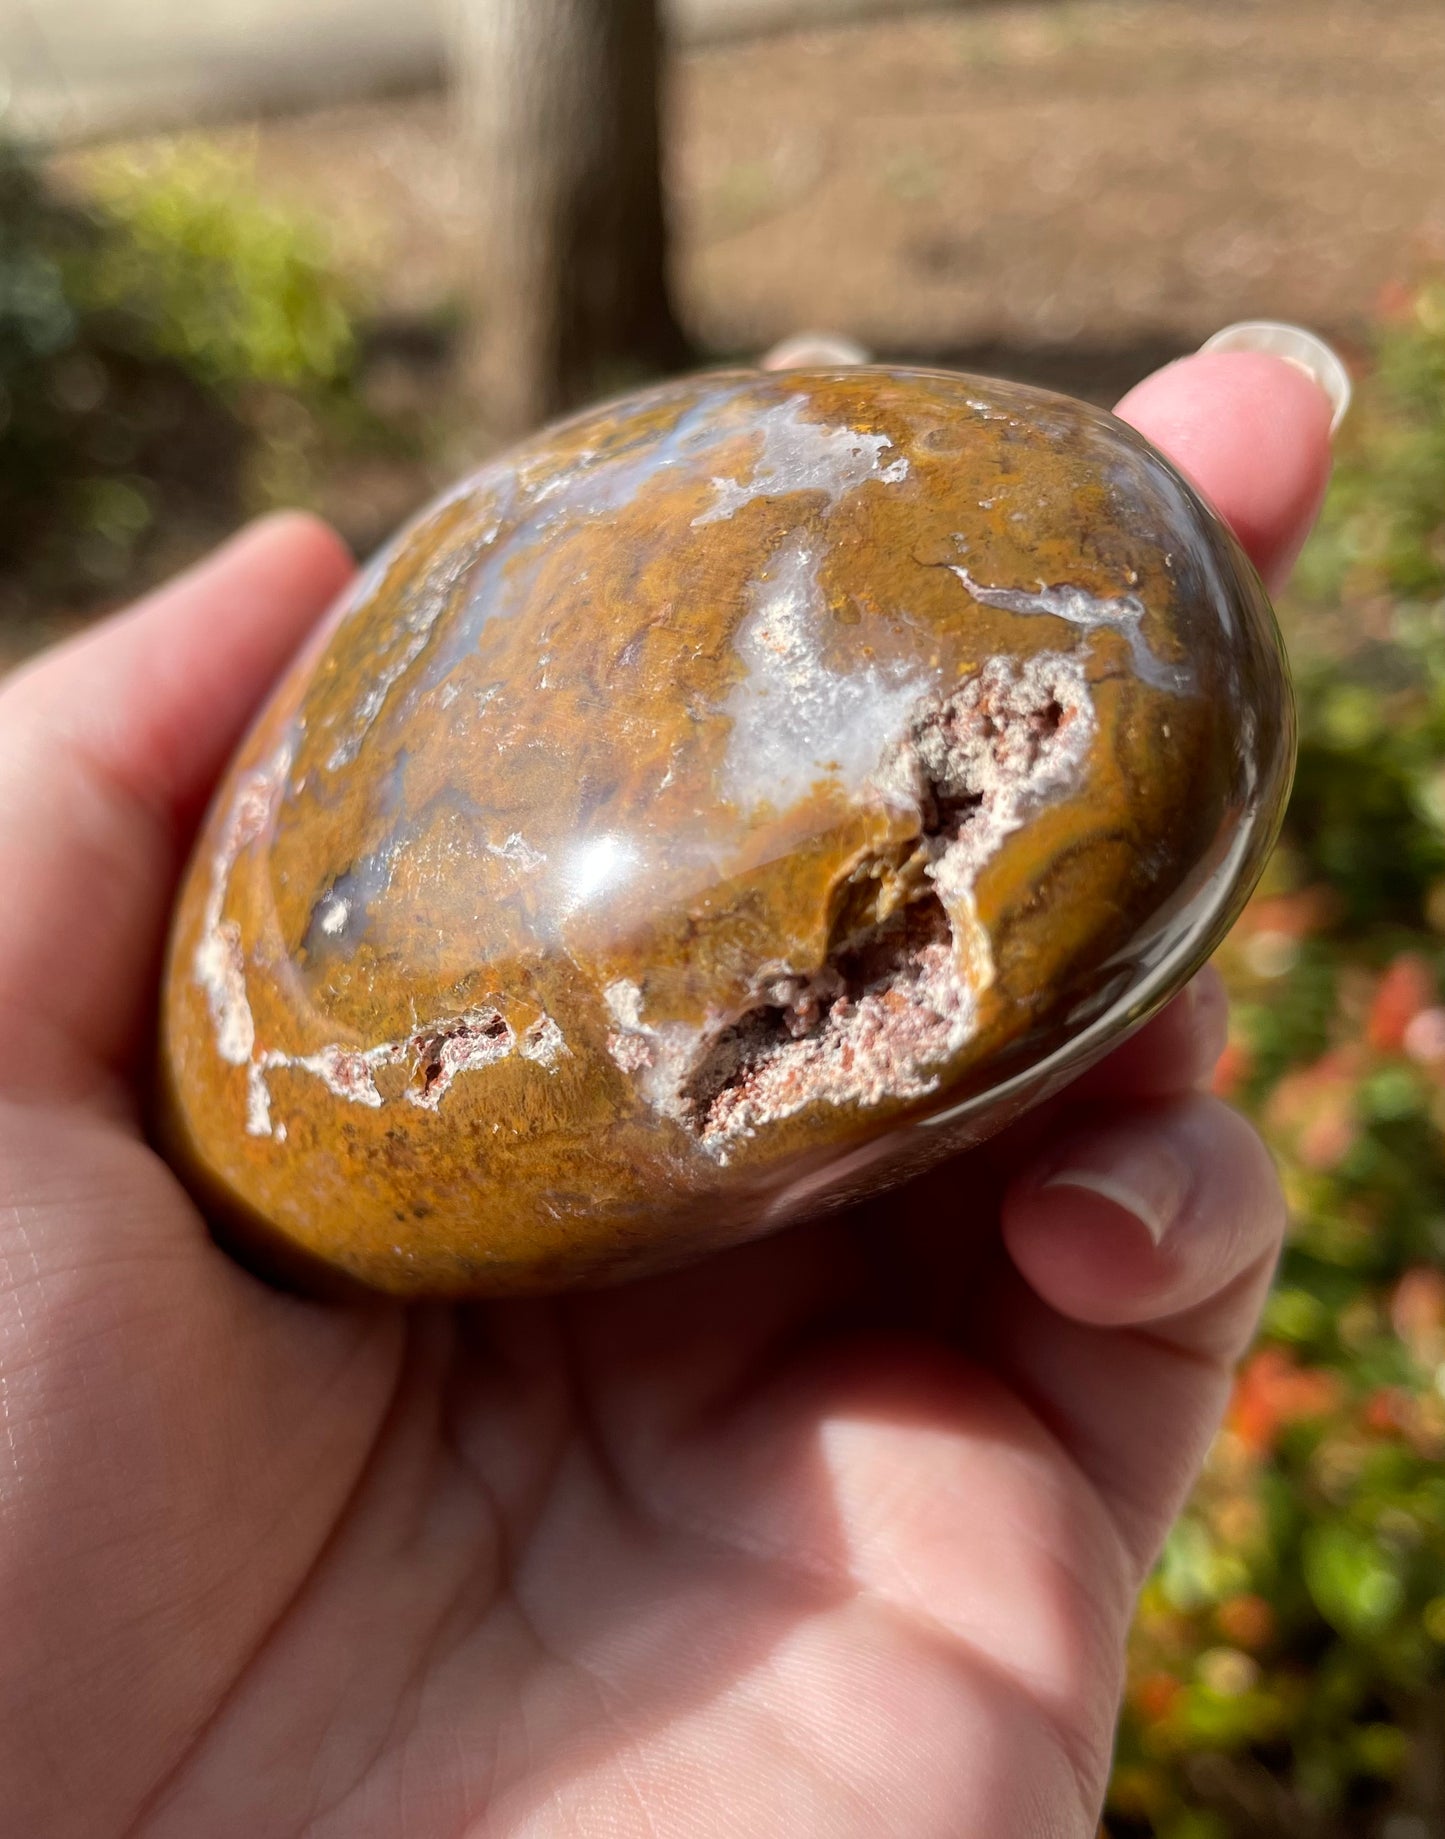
{"x": 836, "y": 1536}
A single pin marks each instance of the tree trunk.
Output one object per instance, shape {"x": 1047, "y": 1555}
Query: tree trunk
{"x": 559, "y": 113}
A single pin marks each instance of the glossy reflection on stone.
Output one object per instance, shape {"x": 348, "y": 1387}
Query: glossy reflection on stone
{"x": 733, "y": 800}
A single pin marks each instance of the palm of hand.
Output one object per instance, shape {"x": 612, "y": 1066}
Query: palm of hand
{"x": 837, "y": 1534}
{"x": 758, "y": 1530}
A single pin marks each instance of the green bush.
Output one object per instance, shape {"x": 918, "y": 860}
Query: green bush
{"x": 236, "y": 292}
{"x": 1288, "y": 1666}
{"x": 172, "y": 355}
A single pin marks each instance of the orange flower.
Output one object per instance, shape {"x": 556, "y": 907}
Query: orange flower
{"x": 1272, "y": 1391}
{"x": 1316, "y": 1106}
{"x": 1154, "y": 1696}
{"x": 1417, "y": 1313}
{"x": 1387, "y": 1411}
{"x": 1246, "y": 1621}
{"x": 1406, "y": 988}
{"x": 1234, "y": 1066}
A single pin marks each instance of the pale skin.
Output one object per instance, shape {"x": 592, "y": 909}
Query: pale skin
{"x": 837, "y": 1535}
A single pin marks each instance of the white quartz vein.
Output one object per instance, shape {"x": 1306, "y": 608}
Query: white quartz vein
{"x": 795, "y": 720}
{"x": 433, "y": 1053}
{"x": 805, "y": 456}
{"x": 219, "y": 963}
{"x": 1122, "y": 613}
{"x": 417, "y": 625}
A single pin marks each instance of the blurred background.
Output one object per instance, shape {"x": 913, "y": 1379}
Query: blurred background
{"x": 333, "y": 252}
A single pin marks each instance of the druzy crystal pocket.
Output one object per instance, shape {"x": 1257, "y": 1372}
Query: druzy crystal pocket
{"x": 728, "y": 803}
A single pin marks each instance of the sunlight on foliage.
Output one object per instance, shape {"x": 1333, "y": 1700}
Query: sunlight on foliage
{"x": 173, "y": 356}
{"x": 237, "y": 291}
{"x": 1288, "y": 1666}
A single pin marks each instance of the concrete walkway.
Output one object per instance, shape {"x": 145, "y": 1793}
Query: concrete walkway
{"x": 81, "y": 69}
{"x": 76, "y": 69}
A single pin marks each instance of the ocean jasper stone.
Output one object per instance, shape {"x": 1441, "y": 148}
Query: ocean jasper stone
{"x": 727, "y": 803}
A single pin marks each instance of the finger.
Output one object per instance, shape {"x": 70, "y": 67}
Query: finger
{"x": 1175, "y": 1052}
{"x": 1142, "y": 1249}
{"x": 1252, "y": 433}
{"x": 805, "y": 350}
{"x": 1150, "y": 1219}
{"x": 1172, "y": 1054}
{"x": 109, "y": 747}
{"x": 155, "y": 699}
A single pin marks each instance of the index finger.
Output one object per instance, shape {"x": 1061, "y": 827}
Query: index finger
{"x": 1251, "y": 432}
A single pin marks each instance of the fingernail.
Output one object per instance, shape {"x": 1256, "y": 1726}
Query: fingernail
{"x": 1143, "y": 1174}
{"x": 806, "y": 349}
{"x": 1319, "y": 361}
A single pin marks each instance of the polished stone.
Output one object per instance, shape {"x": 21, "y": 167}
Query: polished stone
{"x": 731, "y": 801}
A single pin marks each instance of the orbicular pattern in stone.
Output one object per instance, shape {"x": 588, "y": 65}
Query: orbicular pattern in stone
{"x": 731, "y": 801}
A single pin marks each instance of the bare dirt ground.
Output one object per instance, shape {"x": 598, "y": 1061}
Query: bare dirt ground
{"x": 1079, "y": 185}
{"x": 1065, "y": 191}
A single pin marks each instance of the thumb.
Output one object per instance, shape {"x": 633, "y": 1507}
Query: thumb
{"x": 109, "y": 747}
{"x": 1251, "y": 431}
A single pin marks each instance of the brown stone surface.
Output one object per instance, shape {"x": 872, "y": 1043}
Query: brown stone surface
{"x": 730, "y": 801}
